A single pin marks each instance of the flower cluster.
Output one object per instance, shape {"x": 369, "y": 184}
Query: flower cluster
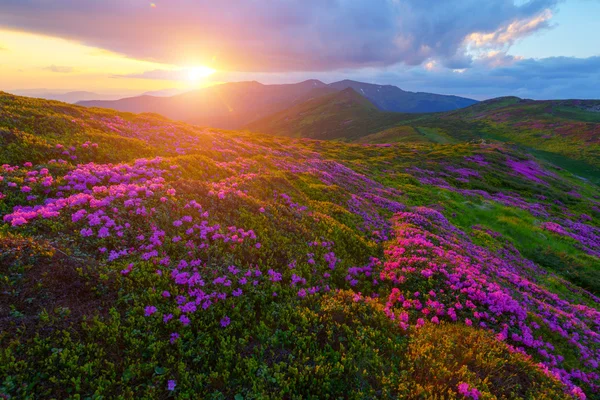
{"x": 435, "y": 271}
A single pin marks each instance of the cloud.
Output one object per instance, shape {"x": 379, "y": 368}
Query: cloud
{"x": 158, "y": 74}
{"x": 507, "y": 35}
{"x": 287, "y": 35}
{"x": 59, "y": 69}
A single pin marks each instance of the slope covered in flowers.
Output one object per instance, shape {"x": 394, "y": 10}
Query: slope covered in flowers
{"x": 142, "y": 258}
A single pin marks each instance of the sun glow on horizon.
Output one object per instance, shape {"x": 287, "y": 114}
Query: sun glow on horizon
{"x": 30, "y": 61}
{"x": 195, "y": 74}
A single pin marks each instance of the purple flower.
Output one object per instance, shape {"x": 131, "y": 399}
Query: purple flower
{"x": 225, "y": 321}
{"x": 149, "y": 310}
{"x": 185, "y": 321}
{"x": 171, "y": 385}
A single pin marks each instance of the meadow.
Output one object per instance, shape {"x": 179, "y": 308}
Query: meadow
{"x": 146, "y": 258}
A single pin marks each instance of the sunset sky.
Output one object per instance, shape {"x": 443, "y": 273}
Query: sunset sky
{"x": 474, "y": 48}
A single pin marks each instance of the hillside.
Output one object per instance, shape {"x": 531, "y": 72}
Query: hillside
{"x": 341, "y": 115}
{"x": 146, "y": 258}
{"x": 233, "y": 105}
{"x": 565, "y": 132}
{"x": 392, "y": 98}
{"x": 67, "y": 97}
{"x": 230, "y": 105}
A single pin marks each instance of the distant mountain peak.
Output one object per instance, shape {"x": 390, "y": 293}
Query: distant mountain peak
{"x": 315, "y": 82}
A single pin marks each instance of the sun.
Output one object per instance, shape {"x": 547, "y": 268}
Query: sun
{"x": 195, "y": 74}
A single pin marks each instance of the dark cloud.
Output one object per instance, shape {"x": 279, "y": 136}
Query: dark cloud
{"x": 285, "y": 35}
{"x": 59, "y": 68}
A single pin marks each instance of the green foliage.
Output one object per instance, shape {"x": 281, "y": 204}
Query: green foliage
{"x": 72, "y": 324}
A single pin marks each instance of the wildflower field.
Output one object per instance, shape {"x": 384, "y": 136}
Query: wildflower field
{"x": 145, "y": 258}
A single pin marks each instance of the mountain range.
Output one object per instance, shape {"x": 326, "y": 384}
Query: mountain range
{"x": 234, "y": 105}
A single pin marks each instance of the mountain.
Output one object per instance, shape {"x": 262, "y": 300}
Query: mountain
{"x": 233, "y": 105}
{"x": 392, "y": 98}
{"x": 162, "y": 93}
{"x": 340, "y": 115}
{"x": 230, "y": 105}
{"x": 142, "y": 257}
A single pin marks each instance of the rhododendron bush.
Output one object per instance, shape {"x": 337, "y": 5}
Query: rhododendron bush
{"x": 143, "y": 258}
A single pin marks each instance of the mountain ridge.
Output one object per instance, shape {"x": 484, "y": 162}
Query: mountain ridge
{"x": 340, "y": 115}
{"x": 235, "y": 104}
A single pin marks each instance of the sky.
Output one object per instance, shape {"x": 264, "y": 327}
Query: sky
{"x": 538, "y": 49}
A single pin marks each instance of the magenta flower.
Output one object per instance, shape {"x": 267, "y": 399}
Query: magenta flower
{"x": 18, "y": 221}
{"x": 465, "y": 390}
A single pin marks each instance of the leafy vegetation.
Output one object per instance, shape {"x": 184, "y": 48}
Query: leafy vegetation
{"x": 145, "y": 258}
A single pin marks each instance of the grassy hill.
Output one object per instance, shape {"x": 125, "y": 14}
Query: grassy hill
{"x": 565, "y": 132}
{"x": 229, "y": 105}
{"x": 341, "y": 115}
{"x": 146, "y": 258}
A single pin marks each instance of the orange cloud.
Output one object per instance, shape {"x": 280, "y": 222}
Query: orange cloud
{"x": 507, "y": 35}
